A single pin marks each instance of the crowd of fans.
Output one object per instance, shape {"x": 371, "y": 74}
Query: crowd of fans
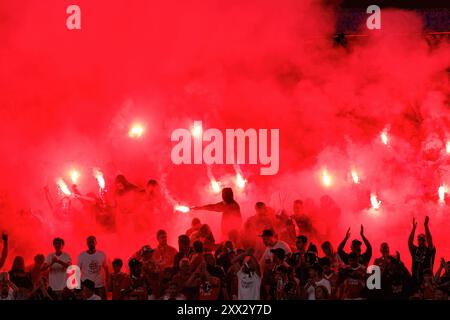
{"x": 269, "y": 258}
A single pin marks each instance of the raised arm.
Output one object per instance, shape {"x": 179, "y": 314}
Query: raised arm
{"x": 437, "y": 276}
{"x": 411, "y": 236}
{"x": 218, "y": 207}
{"x": 368, "y": 252}
{"x": 428, "y": 233}
{"x": 5, "y": 249}
{"x": 341, "y": 247}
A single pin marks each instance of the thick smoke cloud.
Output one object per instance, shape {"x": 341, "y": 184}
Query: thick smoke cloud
{"x": 68, "y": 99}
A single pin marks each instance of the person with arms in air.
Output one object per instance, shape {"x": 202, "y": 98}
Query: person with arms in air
{"x": 364, "y": 258}
{"x": 422, "y": 255}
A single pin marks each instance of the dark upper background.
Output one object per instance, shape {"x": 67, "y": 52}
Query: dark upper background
{"x": 405, "y": 4}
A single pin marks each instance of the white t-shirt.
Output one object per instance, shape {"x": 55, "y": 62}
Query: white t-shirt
{"x": 92, "y": 267}
{"x": 57, "y": 276}
{"x": 248, "y": 286}
{"x": 279, "y": 244}
{"x": 94, "y": 297}
{"x": 10, "y": 295}
{"x": 311, "y": 291}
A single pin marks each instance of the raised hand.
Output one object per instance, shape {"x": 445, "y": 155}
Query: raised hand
{"x": 362, "y": 231}
{"x": 414, "y": 223}
{"x": 347, "y": 235}
{"x": 427, "y": 219}
{"x": 5, "y": 236}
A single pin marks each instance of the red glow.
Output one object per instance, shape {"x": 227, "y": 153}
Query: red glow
{"x": 378, "y": 110}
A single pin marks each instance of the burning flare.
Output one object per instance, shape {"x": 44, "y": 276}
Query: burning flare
{"x": 74, "y": 176}
{"x": 182, "y": 209}
{"x": 100, "y": 179}
{"x": 63, "y": 187}
{"x": 197, "y": 130}
{"x": 384, "y": 136}
{"x": 326, "y": 178}
{"x": 442, "y": 191}
{"x": 136, "y": 131}
{"x": 376, "y": 204}
{"x": 215, "y": 186}
{"x": 355, "y": 176}
{"x": 447, "y": 147}
{"x": 240, "y": 181}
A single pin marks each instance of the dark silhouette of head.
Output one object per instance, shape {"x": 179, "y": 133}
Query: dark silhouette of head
{"x": 227, "y": 195}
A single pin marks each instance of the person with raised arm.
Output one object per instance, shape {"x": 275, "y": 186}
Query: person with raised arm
{"x": 231, "y": 212}
{"x": 363, "y": 258}
{"x": 424, "y": 253}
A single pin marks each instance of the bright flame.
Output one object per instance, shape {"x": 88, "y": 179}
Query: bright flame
{"x": 442, "y": 191}
{"x": 240, "y": 181}
{"x": 136, "y": 131}
{"x": 326, "y": 179}
{"x": 74, "y": 176}
{"x": 355, "y": 176}
{"x": 100, "y": 179}
{"x": 384, "y": 136}
{"x": 376, "y": 204}
{"x": 182, "y": 209}
{"x": 215, "y": 186}
{"x": 447, "y": 147}
{"x": 197, "y": 129}
{"x": 63, "y": 187}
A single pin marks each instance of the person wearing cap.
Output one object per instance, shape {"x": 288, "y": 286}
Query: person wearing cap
{"x": 94, "y": 266}
{"x": 271, "y": 242}
{"x": 88, "y": 292}
{"x": 150, "y": 269}
{"x": 423, "y": 254}
{"x": 231, "y": 212}
{"x": 364, "y": 258}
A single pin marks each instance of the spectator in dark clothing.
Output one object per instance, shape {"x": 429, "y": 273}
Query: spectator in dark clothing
{"x": 231, "y": 212}
{"x": 184, "y": 251}
{"x": 364, "y": 258}
{"x": 20, "y": 278}
{"x": 422, "y": 255}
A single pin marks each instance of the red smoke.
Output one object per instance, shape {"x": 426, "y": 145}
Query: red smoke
{"x": 68, "y": 99}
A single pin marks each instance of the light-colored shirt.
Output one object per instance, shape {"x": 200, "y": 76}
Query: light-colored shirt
{"x": 57, "y": 276}
{"x": 248, "y": 286}
{"x": 311, "y": 291}
{"x": 92, "y": 267}
{"x": 279, "y": 244}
